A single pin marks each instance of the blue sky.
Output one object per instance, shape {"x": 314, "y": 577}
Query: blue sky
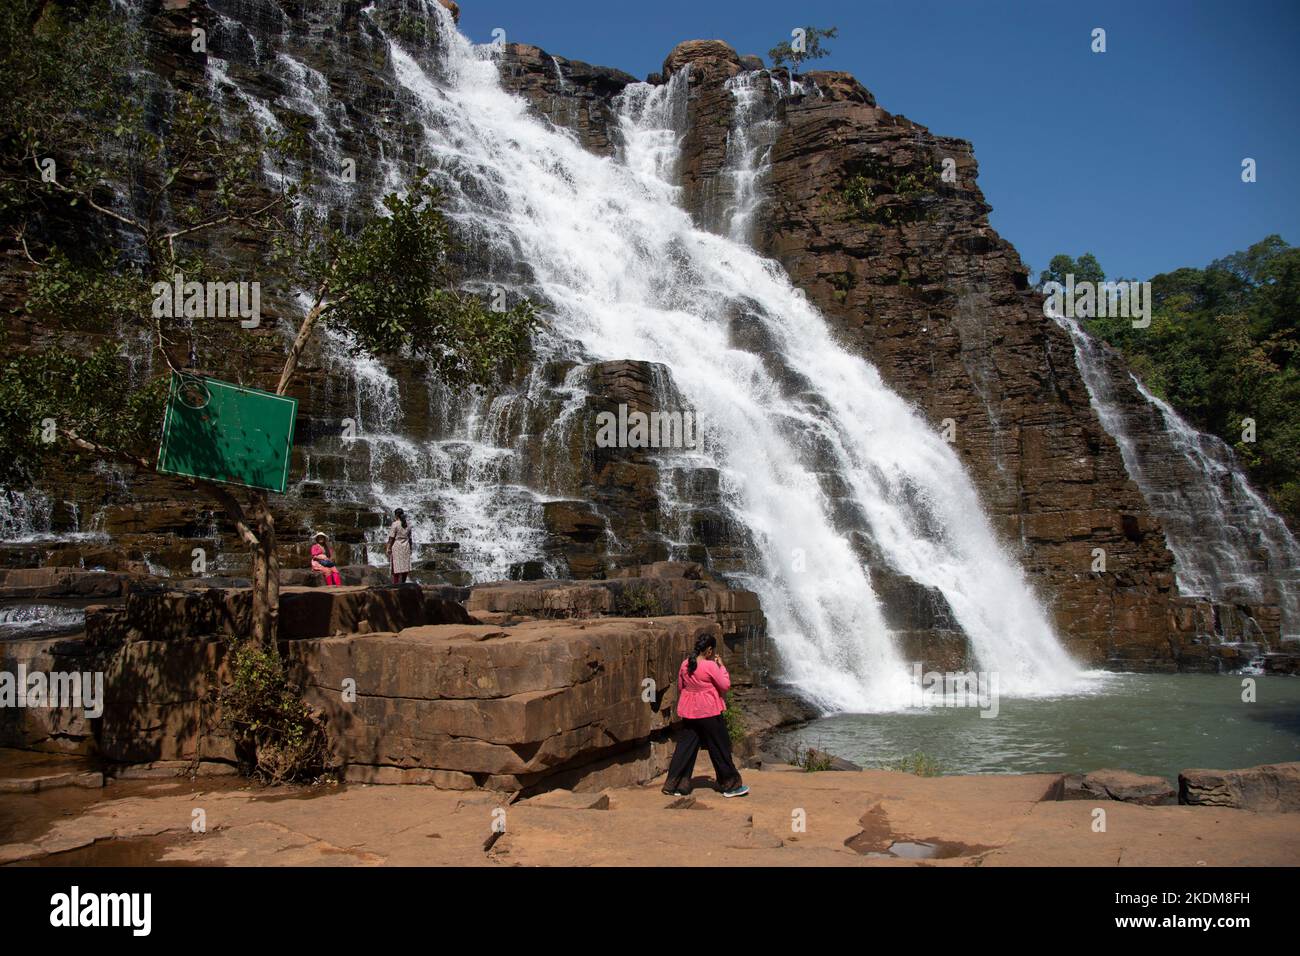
{"x": 1133, "y": 154}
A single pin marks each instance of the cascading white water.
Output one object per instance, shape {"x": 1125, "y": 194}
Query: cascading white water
{"x": 623, "y": 273}
{"x": 459, "y": 490}
{"x": 27, "y": 516}
{"x": 754, "y": 129}
{"x": 24, "y": 515}
{"x": 1216, "y": 525}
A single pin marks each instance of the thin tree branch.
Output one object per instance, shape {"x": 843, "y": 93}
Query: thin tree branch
{"x": 319, "y": 308}
{"x": 229, "y": 503}
{"x": 104, "y": 451}
{"x": 21, "y": 235}
{"x": 228, "y": 217}
{"x": 82, "y": 194}
{"x": 162, "y": 347}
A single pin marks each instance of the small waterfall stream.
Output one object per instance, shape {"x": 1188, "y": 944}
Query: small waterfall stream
{"x": 754, "y": 129}
{"x": 1228, "y": 545}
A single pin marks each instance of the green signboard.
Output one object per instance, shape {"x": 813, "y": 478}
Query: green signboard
{"x": 225, "y": 432}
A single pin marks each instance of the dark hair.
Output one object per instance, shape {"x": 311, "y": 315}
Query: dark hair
{"x": 702, "y": 643}
{"x": 401, "y": 516}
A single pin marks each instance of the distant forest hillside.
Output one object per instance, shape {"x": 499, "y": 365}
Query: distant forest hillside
{"x": 1223, "y": 347}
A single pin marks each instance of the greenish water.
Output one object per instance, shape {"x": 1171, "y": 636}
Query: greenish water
{"x": 1148, "y": 723}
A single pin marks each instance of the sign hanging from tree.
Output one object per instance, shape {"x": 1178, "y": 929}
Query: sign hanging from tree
{"x": 225, "y": 432}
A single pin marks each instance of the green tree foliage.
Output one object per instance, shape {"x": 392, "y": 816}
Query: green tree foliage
{"x": 64, "y": 72}
{"x": 1222, "y": 347}
{"x": 277, "y": 736}
{"x": 733, "y": 719}
{"x": 365, "y": 285}
{"x": 1085, "y": 268}
{"x": 78, "y": 154}
{"x": 789, "y": 51}
{"x": 46, "y": 393}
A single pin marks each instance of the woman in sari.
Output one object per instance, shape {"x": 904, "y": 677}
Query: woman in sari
{"x": 399, "y": 547}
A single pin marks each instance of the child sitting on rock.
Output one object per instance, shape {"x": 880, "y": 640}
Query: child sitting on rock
{"x": 322, "y": 560}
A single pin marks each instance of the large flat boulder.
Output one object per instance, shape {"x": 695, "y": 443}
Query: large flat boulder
{"x": 568, "y": 599}
{"x": 562, "y": 683}
{"x": 1270, "y": 788}
{"x": 508, "y": 706}
{"x": 160, "y": 703}
{"x": 547, "y": 703}
{"x": 1122, "y": 785}
{"x": 669, "y": 588}
{"x": 64, "y": 730}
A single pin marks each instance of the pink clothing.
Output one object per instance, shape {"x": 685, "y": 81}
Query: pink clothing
{"x": 319, "y": 551}
{"x": 700, "y": 694}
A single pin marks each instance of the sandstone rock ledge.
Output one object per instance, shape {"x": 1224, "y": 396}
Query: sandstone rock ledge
{"x": 464, "y": 706}
{"x": 1269, "y": 788}
{"x": 548, "y": 684}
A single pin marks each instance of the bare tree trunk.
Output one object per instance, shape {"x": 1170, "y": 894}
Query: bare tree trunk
{"x": 266, "y": 563}
{"x": 300, "y": 341}
{"x": 256, "y": 526}
{"x": 260, "y": 619}
{"x": 266, "y": 575}
{"x": 272, "y": 560}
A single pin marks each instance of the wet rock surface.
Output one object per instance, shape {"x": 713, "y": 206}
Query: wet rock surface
{"x": 1119, "y": 785}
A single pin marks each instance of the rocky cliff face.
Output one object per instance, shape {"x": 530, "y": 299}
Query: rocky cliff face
{"x": 850, "y": 201}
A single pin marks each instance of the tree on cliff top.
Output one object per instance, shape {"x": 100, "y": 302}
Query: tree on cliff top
{"x": 103, "y": 201}
{"x": 1084, "y": 269}
{"x": 804, "y": 44}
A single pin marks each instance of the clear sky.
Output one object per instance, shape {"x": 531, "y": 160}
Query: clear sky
{"x": 1133, "y": 154}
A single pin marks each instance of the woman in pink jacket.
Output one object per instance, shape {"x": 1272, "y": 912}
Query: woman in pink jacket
{"x": 702, "y": 680}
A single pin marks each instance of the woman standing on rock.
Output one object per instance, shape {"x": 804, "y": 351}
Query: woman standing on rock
{"x": 702, "y": 680}
{"x": 399, "y": 547}
{"x": 322, "y": 560}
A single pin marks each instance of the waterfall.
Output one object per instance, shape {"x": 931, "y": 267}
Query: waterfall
{"x": 754, "y": 129}
{"x": 1228, "y": 545}
{"x": 24, "y": 515}
{"x": 621, "y": 272}
{"x": 559, "y": 74}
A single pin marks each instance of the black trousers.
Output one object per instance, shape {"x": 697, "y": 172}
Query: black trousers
{"x": 712, "y": 733}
